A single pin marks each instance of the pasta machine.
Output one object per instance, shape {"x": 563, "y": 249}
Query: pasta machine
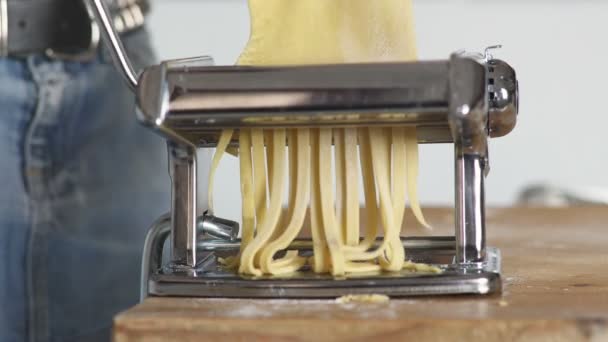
{"x": 464, "y": 100}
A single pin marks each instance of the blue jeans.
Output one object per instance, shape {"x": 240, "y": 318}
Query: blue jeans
{"x": 81, "y": 182}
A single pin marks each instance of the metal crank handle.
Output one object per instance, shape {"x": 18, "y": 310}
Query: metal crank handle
{"x": 112, "y": 40}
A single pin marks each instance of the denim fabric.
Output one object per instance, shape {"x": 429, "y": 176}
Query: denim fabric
{"x": 81, "y": 182}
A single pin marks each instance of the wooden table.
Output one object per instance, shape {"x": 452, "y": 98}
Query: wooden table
{"x": 555, "y": 275}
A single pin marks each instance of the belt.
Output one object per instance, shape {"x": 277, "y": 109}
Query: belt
{"x": 62, "y": 29}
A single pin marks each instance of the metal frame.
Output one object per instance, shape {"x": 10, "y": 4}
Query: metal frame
{"x": 209, "y": 280}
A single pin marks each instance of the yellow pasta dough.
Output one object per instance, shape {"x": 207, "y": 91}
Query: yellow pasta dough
{"x": 285, "y": 32}
{"x": 367, "y": 299}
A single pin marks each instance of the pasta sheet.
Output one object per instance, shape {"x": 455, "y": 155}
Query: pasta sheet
{"x": 301, "y": 163}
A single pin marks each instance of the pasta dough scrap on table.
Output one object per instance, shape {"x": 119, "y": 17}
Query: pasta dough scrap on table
{"x": 368, "y": 298}
{"x": 298, "y": 162}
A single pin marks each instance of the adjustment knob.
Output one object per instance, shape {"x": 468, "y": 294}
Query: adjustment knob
{"x": 503, "y": 91}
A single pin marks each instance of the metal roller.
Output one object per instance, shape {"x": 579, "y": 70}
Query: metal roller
{"x": 194, "y": 101}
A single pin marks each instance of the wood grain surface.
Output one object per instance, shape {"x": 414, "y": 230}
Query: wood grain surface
{"x": 555, "y": 276}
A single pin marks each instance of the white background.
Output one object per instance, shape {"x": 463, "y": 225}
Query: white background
{"x": 558, "y": 48}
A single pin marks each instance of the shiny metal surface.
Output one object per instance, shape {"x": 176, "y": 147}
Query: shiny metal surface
{"x": 503, "y": 90}
{"x": 227, "y": 96}
{"x": 487, "y": 52}
{"x": 218, "y": 228}
{"x": 152, "y": 255}
{"x": 209, "y": 138}
{"x": 209, "y": 280}
{"x": 470, "y": 209}
{"x": 468, "y": 117}
{"x": 111, "y": 37}
{"x": 302, "y": 244}
{"x": 468, "y": 105}
{"x": 195, "y": 102}
{"x": 226, "y": 285}
{"x": 182, "y": 169}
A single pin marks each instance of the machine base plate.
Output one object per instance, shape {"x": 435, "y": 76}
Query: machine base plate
{"x": 210, "y": 280}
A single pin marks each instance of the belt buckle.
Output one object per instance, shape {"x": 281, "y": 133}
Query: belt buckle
{"x": 87, "y": 54}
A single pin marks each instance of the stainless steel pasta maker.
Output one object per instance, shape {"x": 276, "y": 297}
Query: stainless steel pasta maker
{"x": 464, "y": 100}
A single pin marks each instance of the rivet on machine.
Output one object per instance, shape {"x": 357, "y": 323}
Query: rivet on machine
{"x": 464, "y": 100}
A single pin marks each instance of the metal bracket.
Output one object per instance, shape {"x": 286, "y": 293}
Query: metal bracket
{"x": 467, "y": 117}
{"x": 182, "y": 169}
